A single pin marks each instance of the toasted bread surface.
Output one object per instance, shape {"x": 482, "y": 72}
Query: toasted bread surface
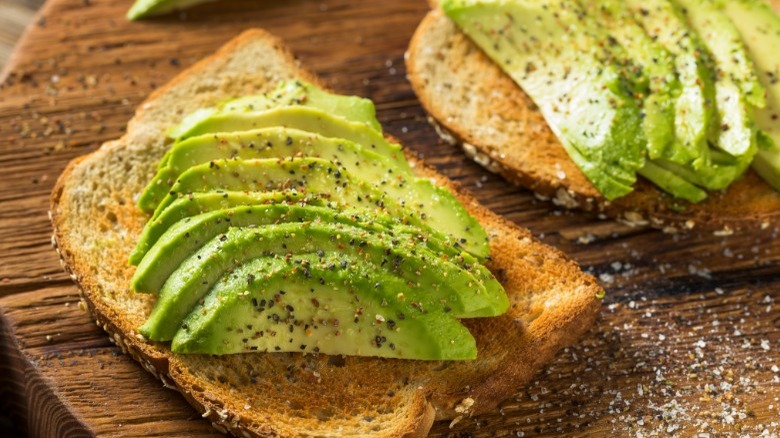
{"x": 474, "y": 104}
{"x": 96, "y": 225}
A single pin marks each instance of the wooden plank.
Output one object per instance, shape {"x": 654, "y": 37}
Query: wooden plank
{"x": 690, "y": 330}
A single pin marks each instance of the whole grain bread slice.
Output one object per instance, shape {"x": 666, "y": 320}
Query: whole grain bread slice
{"x": 96, "y": 224}
{"x": 473, "y": 103}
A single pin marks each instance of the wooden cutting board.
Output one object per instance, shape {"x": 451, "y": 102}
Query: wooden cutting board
{"x": 689, "y": 337}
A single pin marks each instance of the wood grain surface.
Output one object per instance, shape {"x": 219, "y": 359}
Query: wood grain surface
{"x": 15, "y": 15}
{"x": 689, "y": 337}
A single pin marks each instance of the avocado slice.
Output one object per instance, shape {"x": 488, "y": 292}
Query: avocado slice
{"x": 391, "y": 254}
{"x": 314, "y": 120}
{"x": 648, "y": 65}
{"x": 725, "y": 43}
{"x": 759, "y": 28}
{"x": 312, "y": 305}
{"x": 694, "y": 104}
{"x": 151, "y": 8}
{"x": 274, "y": 142}
{"x": 737, "y": 86}
{"x": 299, "y": 117}
{"x": 282, "y": 143}
{"x": 202, "y": 202}
{"x": 188, "y": 235}
{"x": 552, "y": 49}
{"x": 442, "y": 212}
{"x": 289, "y": 93}
{"x": 672, "y": 183}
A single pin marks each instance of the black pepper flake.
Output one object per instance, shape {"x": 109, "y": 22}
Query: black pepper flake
{"x": 303, "y": 346}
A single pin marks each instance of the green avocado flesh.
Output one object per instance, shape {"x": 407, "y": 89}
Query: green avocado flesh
{"x": 584, "y": 100}
{"x": 291, "y": 93}
{"x": 287, "y": 222}
{"x": 151, "y": 8}
{"x": 277, "y": 305}
{"x": 303, "y": 118}
{"x": 445, "y": 283}
{"x": 203, "y": 202}
{"x": 760, "y": 31}
{"x": 667, "y": 89}
{"x": 299, "y": 117}
{"x": 440, "y": 206}
{"x": 189, "y": 234}
{"x": 273, "y": 142}
{"x": 439, "y": 211}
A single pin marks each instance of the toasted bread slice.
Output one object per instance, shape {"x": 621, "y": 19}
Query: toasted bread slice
{"x": 96, "y": 224}
{"x": 474, "y": 104}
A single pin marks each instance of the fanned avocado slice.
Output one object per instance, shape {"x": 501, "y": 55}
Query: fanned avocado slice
{"x": 670, "y": 182}
{"x": 648, "y": 65}
{"x": 279, "y": 143}
{"x": 203, "y": 202}
{"x": 760, "y": 30}
{"x": 694, "y": 107}
{"x": 442, "y": 212}
{"x": 304, "y": 118}
{"x": 722, "y": 37}
{"x": 541, "y": 45}
{"x": 311, "y": 304}
{"x": 441, "y": 280}
{"x": 298, "y": 117}
{"x": 737, "y": 86}
{"x": 151, "y": 8}
{"x": 291, "y": 93}
{"x": 190, "y": 234}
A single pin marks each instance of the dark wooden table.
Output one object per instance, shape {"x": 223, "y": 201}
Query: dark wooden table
{"x": 689, "y": 337}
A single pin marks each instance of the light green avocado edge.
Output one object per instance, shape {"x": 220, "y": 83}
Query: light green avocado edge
{"x": 281, "y": 306}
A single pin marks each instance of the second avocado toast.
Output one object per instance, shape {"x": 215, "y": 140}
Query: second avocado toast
{"x": 666, "y": 69}
{"x": 97, "y": 224}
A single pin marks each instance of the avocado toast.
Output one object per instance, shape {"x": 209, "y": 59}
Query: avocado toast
{"x": 97, "y": 224}
{"x": 475, "y": 103}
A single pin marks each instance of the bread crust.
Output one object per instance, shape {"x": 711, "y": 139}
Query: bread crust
{"x": 96, "y": 225}
{"x": 474, "y": 104}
